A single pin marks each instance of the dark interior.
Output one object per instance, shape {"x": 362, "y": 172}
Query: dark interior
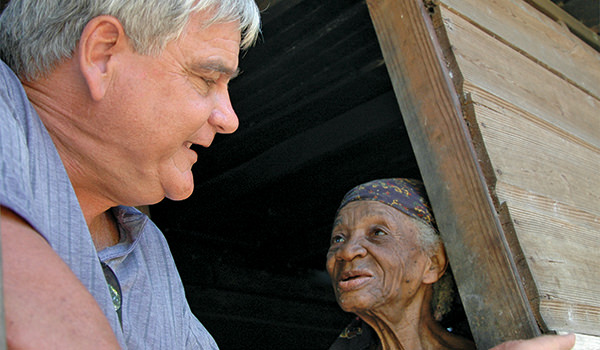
{"x": 317, "y": 117}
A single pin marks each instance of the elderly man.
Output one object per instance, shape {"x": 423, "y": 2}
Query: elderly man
{"x": 100, "y": 102}
{"x": 111, "y": 96}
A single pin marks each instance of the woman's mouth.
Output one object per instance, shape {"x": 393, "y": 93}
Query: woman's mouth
{"x": 351, "y": 280}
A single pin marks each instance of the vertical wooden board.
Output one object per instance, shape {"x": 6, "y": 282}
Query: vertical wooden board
{"x": 492, "y": 66}
{"x": 557, "y": 220}
{"x": 562, "y": 247}
{"x": 563, "y": 316}
{"x": 538, "y": 37}
{"x": 584, "y": 342}
{"x": 563, "y": 263}
{"x": 530, "y": 153}
{"x": 543, "y": 205}
{"x": 551, "y": 9}
{"x": 488, "y": 280}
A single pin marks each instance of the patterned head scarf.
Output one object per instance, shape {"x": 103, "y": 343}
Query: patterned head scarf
{"x": 406, "y": 195}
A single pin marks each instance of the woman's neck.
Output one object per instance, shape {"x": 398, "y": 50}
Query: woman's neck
{"x": 407, "y": 334}
{"x": 413, "y": 327}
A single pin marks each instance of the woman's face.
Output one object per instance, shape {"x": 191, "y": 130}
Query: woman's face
{"x": 375, "y": 260}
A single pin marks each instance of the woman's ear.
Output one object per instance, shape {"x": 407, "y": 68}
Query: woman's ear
{"x": 436, "y": 266}
{"x": 101, "y": 39}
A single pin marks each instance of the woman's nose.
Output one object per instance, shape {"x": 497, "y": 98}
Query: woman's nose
{"x": 223, "y": 117}
{"x": 351, "y": 250}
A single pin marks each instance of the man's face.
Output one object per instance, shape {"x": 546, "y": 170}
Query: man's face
{"x": 374, "y": 259}
{"x": 162, "y": 105}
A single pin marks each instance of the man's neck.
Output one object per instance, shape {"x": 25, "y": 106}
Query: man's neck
{"x": 104, "y": 230}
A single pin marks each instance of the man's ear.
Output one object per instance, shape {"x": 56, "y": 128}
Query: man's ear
{"x": 100, "y": 40}
{"x": 436, "y": 267}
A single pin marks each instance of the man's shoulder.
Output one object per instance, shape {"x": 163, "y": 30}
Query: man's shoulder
{"x": 11, "y": 91}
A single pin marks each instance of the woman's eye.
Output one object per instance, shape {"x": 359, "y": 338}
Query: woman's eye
{"x": 378, "y": 232}
{"x": 337, "y": 239}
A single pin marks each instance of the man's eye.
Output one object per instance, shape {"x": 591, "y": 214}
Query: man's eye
{"x": 209, "y": 82}
{"x": 201, "y": 85}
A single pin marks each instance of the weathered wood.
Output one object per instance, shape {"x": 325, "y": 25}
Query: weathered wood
{"x": 525, "y": 30}
{"x": 555, "y": 218}
{"x": 555, "y": 12}
{"x": 561, "y": 246}
{"x": 585, "y": 342}
{"x": 487, "y": 278}
{"x": 531, "y": 153}
{"x": 493, "y": 66}
{"x": 536, "y": 123}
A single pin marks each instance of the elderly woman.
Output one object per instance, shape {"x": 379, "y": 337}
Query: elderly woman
{"x": 384, "y": 258}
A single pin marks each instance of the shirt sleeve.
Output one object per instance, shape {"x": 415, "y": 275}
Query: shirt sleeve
{"x": 14, "y": 158}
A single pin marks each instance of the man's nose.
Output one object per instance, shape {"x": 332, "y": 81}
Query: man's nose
{"x": 223, "y": 117}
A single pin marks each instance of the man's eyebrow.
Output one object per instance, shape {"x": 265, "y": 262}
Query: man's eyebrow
{"x": 217, "y": 67}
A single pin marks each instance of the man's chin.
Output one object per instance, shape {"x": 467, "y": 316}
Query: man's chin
{"x": 180, "y": 188}
{"x": 180, "y": 196}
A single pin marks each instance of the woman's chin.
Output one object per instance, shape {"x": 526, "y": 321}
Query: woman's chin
{"x": 354, "y": 303}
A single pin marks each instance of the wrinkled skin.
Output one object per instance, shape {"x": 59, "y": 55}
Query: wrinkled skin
{"x": 380, "y": 272}
{"x": 374, "y": 259}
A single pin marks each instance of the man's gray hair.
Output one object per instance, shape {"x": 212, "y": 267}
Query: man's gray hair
{"x": 36, "y": 35}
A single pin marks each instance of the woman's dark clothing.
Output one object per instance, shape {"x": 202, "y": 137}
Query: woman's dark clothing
{"x": 356, "y": 336}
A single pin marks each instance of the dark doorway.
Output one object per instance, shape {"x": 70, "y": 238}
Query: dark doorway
{"x": 317, "y": 117}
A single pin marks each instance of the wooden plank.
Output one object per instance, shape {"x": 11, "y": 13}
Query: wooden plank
{"x": 531, "y": 153}
{"x": 536, "y": 36}
{"x": 561, "y": 315}
{"x": 585, "y": 342}
{"x": 528, "y": 152}
{"x": 558, "y": 14}
{"x": 495, "y": 67}
{"x": 561, "y": 246}
{"x": 487, "y": 278}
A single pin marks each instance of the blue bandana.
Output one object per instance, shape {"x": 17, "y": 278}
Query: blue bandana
{"x": 406, "y": 195}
